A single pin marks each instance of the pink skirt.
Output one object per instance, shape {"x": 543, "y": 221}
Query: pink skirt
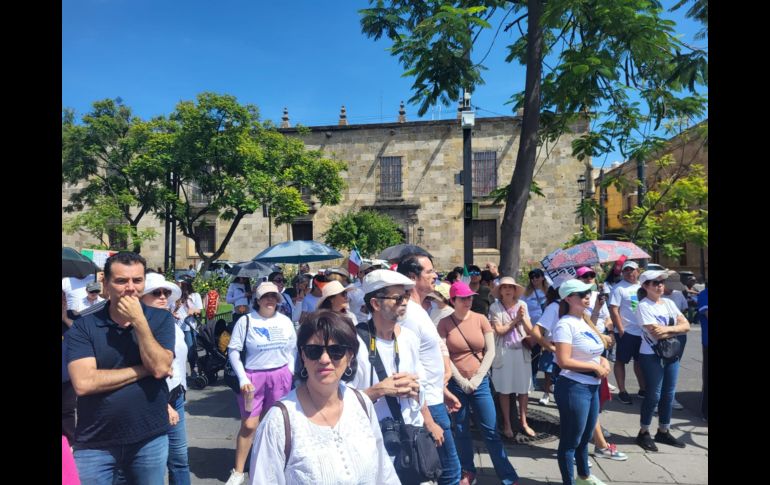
{"x": 69, "y": 472}
{"x": 269, "y": 386}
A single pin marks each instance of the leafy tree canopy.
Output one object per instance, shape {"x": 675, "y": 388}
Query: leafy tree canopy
{"x": 369, "y": 231}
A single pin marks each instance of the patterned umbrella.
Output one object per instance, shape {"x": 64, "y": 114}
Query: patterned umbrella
{"x": 297, "y": 252}
{"x": 594, "y": 252}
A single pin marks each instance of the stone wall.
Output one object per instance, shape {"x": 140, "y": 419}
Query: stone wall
{"x": 431, "y": 154}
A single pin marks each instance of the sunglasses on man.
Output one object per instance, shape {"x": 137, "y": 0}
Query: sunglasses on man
{"x": 474, "y": 273}
{"x": 399, "y": 299}
{"x": 314, "y": 352}
{"x": 159, "y": 292}
{"x": 94, "y": 292}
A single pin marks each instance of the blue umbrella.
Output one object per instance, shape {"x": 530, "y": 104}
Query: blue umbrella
{"x": 297, "y": 252}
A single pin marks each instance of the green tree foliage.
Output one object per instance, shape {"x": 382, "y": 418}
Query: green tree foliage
{"x": 599, "y": 52}
{"x": 229, "y": 165}
{"x": 369, "y": 231}
{"x": 99, "y": 219}
{"x": 111, "y": 153}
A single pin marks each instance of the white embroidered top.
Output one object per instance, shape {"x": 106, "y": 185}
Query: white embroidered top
{"x": 351, "y": 452}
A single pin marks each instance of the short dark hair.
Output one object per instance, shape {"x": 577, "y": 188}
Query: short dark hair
{"x": 452, "y": 276}
{"x": 330, "y": 326}
{"x": 271, "y": 276}
{"x": 410, "y": 266}
{"x": 535, "y": 273}
{"x": 124, "y": 257}
{"x": 473, "y": 267}
{"x": 487, "y": 275}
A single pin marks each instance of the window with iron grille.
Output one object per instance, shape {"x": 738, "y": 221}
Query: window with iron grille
{"x": 302, "y": 230}
{"x": 208, "y": 236}
{"x": 484, "y": 173}
{"x": 390, "y": 177}
{"x": 485, "y": 234}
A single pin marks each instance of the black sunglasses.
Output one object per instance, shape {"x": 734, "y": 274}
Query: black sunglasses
{"x": 165, "y": 292}
{"x": 314, "y": 352}
{"x": 399, "y": 299}
{"x": 279, "y": 280}
{"x": 474, "y": 273}
{"x": 582, "y": 294}
{"x": 656, "y": 282}
{"x": 94, "y": 292}
{"x": 588, "y": 275}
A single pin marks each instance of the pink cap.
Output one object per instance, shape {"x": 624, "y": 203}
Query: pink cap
{"x": 583, "y": 270}
{"x": 461, "y": 289}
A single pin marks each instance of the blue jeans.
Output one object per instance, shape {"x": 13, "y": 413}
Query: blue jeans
{"x": 578, "y": 411}
{"x": 143, "y": 462}
{"x": 484, "y": 412}
{"x": 178, "y": 463}
{"x": 661, "y": 386}
{"x": 447, "y": 453}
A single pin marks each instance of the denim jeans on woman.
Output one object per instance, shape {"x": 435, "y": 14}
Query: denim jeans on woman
{"x": 484, "y": 412}
{"x": 661, "y": 386}
{"x": 178, "y": 462}
{"x": 578, "y": 411}
{"x": 143, "y": 462}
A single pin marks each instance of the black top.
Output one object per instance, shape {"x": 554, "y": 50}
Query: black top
{"x": 482, "y": 301}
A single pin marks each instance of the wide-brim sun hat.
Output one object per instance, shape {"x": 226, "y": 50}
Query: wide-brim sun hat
{"x": 507, "y": 280}
{"x": 332, "y": 288}
{"x": 573, "y": 286}
{"x": 461, "y": 289}
{"x": 382, "y": 278}
{"x": 652, "y": 275}
{"x": 265, "y": 288}
{"x": 156, "y": 281}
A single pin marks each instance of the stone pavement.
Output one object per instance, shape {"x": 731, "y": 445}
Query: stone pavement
{"x": 212, "y": 424}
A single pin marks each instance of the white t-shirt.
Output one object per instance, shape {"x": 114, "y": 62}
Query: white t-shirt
{"x": 309, "y": 303}
{"x": 678, "y": 298}
{"x": 409, "y": 361}
{"x": 179, "y": 364}
{"x": 624, "y": 297}
{"x": 533, "y": 304}
{"x": 75, "y": 289}
{"x": 235, "y": 292}
{"x": 356, "y": 301}
{"x": 271, "y": 343}
{"x": 651, "y": 313}
{"x": 418, "y": 321}
{"x": 87, "y": 303}
{"x": 604, "y": 312}
{"x": 587, "y": 346}
{"x": 550, "y": 318}
{"x": 184, "y": 310}
{"x": 350, "y": 453}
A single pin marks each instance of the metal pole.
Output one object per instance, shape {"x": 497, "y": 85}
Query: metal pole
{"x": 602, "y": 200}
{"x": 167, "y": 229}
{"x": 467, "y": 186}
{"x": 175, "y": 181}
{"x": 642, "y": 188}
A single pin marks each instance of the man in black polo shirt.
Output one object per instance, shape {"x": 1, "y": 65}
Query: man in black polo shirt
{"x": 118, "y": 359}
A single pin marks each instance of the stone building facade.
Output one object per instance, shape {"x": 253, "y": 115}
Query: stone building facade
{"x": 409, "y": 170}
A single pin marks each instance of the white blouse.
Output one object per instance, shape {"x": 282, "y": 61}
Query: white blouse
{"x": 352, "y": 452}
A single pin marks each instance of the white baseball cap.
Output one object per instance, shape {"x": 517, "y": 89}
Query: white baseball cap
{"x": 382, "y": 278}
{"x": 630, "y": 264}
{"x": 265, "y": 288}
{"x": 652, "y": 275}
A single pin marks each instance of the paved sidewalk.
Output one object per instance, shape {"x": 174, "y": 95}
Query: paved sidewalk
{"x": 212, "y": 424}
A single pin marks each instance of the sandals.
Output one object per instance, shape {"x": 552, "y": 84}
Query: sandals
{"x": 528, "y": 431}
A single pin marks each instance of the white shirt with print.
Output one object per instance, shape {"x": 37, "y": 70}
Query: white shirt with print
{"x": 651, "y": 313}
{"x": 624, "y": 297}
{"x": 270, "y": 344}
{"x": 587, "y": 346}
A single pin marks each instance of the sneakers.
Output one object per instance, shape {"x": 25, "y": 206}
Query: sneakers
{"x": 624, "y": 397}
{"x": 611, "y": 452}
{"x": 667, "y": 439}
{"x": 544, "y": 400}
{"x": 642, "y": 393}
{"x": 612, "y": 388}
{"x": 236, "y": 478}
{"x": 469, "y": 478}
{"x": 677, "y": 405}
{"x": 644, "y": 440}
{"x": 591, "y": 480}
{"x": 605, "y": 433}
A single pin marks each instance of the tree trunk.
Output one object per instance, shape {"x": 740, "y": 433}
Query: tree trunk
{"x": 518, "y": 194}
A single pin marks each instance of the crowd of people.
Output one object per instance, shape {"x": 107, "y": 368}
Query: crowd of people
{"x": 335, "y": 373}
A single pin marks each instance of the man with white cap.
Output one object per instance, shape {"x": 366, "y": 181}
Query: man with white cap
{"x": 419, "y": 270}
{"x": 398, "y": 348}
{"x": 628, "y": 333}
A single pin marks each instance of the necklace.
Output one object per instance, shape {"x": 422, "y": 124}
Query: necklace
{"x": 307, "y": 391}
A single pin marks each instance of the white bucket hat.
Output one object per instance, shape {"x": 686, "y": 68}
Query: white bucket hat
{"x": 156, "y": 281}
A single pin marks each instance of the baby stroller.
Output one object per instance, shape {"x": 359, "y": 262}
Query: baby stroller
{"x": 213, "y": 360}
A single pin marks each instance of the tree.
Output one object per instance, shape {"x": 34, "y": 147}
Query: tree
{"x": 369, "y": 231}
{"x": 228, "y": 165}
{"x": 99, "y": 219}
{"x": 112, "y": 152}
{"x": 600, "y": 50}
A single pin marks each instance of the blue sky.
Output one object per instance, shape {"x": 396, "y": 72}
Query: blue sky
{"x": 309, "y": 56}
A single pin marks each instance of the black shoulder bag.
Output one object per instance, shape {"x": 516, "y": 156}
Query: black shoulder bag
{"x": 669, "y": 349}
{"x": 416, "y": 456}
{"x": 231, "y": 378}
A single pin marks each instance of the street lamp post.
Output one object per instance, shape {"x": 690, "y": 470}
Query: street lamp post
{"x": 582, "y": 187}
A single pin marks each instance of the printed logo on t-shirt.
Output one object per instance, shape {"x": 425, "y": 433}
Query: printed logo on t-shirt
{"x": 591, "y": 336}
{"x": 634, "y": 302}
{"x": 262, "y": 331}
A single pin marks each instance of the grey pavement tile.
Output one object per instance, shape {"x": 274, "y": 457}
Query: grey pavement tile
{"x": 689, "y": 470}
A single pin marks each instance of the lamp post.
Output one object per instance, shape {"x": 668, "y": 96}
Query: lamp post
{"x": 467, "y": 122}
{"x": 602, "y": 203}
{"x": 582, "y": 187}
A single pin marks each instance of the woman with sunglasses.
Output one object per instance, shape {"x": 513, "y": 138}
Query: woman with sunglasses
{"x": 471, "y": 343}
{"x": 579, "y": 348}
{"x": 159, "y": 293}
{"x": 335, "y": 437}
{"x": 660, "y": 319}
{"x": 271, "y": 351}
{"x": 334, "y": 297}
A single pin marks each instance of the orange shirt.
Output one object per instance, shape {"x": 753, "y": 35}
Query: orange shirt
{"x": 473, "y": 328}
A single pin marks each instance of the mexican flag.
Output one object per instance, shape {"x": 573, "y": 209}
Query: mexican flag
{"x": 354, "y": 262}
{"x": 466, "y": 277}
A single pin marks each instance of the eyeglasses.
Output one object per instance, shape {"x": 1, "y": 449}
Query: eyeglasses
{"x": 279, "y": 280}
{"x": 588, "y": 275}
{"x": 474, "y": 273}
{"x": 165, "y": 292}
{"x": 656, "y": 282}
{"x": 94, "y": 292}
{"x": 581, "y": 294}
{"x": 399, "y": 299}
{"x": 314, "y": 352}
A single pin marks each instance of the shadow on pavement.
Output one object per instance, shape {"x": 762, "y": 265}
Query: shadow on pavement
{"x": 207, "y": 463}
{"x": 218, "y": 402}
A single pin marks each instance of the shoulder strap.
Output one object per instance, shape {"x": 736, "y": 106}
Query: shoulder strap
{"x": 245, "y": 336}
{"x": 376, "y": 362}
{"x": 286, "y": 431}
{"x": 466, "y": 340}
{"x": 360, "y": 400}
